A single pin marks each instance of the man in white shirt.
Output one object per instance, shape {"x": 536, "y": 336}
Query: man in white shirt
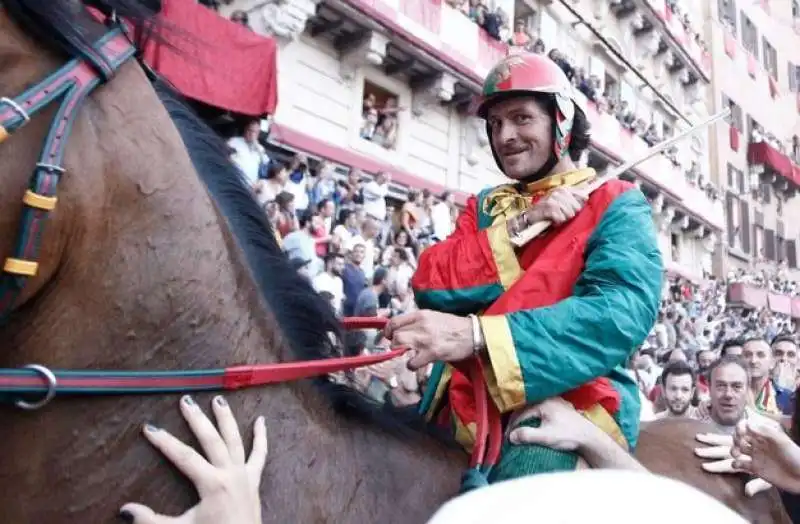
{"x": 374, "y": 193}
{"x": 442, "y": 218}
{"x": 369, "y": 233}
{"x": 330, "y": 280}
{"x": 248, "y": 154}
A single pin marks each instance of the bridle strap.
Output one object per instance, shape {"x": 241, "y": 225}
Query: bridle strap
{"x": 71, "y": 85}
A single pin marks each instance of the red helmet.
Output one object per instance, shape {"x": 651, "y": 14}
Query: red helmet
{"x": 525, "y": 74}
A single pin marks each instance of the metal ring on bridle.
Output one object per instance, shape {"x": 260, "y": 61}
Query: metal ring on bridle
{"x": 51, "y": 167}
{"x": 16, "y": 107}
{"x": 52, "y": 382}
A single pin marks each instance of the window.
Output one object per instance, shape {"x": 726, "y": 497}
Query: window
{"x": 793, "y": 75}
{"x": 795, "y": 9}
{"x": 744, "y": 231}
{"x": 727, "y": 14}
{"x": 769, "y": 244}
{"x": 736, "y": 118}
{"x": 749, "y": 35}
{"x": 752, "y": 127}
{"x": 732, "y": 216}
{"x": 379, "y": 116}
{"x": 791, "y": 253}
{"x": 736, "y": 181}
{"x": 770, "y": 58}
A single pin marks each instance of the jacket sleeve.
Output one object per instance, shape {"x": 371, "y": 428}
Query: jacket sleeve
{"x": 467, "y": 271}
{"x": 540, "y": 353}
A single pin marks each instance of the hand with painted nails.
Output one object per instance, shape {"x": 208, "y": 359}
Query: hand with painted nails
{"x": 227, "y": 482}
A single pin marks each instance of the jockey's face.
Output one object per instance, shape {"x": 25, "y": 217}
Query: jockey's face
{"x": 728, "y": 392}
{"x": 678, "y": 391}
{"x": 522, "y": 135}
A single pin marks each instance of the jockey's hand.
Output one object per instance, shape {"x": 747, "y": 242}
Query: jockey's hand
{"x": 718, "y": 449}
{"x": 561, "y": 205}
{"x": 431, "y": 336}
{"x": 765, "y": 450}
{"x": 562, "y": 427}
{"x": 226, "y": 482}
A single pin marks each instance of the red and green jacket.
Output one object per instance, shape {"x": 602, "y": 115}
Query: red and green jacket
{"x": 561, "y": 316}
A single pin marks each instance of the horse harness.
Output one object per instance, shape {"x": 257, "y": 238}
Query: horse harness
{"x": 71, "y": 85}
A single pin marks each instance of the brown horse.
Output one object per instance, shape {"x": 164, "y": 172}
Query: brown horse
{"x": 157, "y": 257}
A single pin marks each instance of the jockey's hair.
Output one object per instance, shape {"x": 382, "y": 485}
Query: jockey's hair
{"x": 581, "y": 129}
{"x": 678, "y": 368}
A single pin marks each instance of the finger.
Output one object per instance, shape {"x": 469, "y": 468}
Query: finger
{"x": 527, "y": 414}
{"x": 399, "y": 322}
{"x": 714, "y": 439}
{"x": 140, "y": 514}
{"x": 756, "y": 486}
{"x": 420, "y": 359}
{"x": 207, "y": 435}
{"x": 743, "y": 463}
{"x": 528, "y": 435}
{"x": 228, "y": 429}
{"x": 720, "y": 466}
{"x": 258, "y": 455}
{"x": 186, "y": 459}
{"x": 717, "y": 452}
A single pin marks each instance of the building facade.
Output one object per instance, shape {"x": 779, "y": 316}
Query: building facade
{"x": 640, "y": 66}
{"x": 755, "y": 51}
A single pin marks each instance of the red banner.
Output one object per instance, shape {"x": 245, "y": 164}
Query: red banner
{"x": 216, "y": 61}
{"x": 733, "y": 137}
{"x": 752, "y": 297}
{"x": 730, "y": 45}
{"x": 761, "y": 153}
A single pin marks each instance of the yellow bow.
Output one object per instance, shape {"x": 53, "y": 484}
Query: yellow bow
{"x": 507, "y": 200}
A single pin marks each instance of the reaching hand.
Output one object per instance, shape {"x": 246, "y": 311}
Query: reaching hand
{"x": 719, "y": 449}
{"x": 562, "y": 427}
{"x": 766, "y": 451}
{"x": 227, "y": 484}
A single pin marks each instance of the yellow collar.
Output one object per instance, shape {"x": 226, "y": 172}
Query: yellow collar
{"x": 509, "y": 200}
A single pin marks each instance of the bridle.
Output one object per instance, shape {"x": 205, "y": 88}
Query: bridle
{"x": 70, "y": 85}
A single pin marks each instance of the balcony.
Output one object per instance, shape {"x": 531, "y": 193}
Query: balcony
{"x": 681, "y": 39}
{"x": 757, "y": 298}
{"x": 761, "y": 155}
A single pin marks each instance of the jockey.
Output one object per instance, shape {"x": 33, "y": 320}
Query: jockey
{"x": 556, "y": 316}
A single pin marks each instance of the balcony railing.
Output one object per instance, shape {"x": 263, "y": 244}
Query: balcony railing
{"x": 763, "y": 154}
{"x": 758, "y": 298}
{"x": 701, "y": 57}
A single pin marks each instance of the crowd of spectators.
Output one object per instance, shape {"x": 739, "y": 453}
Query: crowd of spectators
{"x": 697, "y": 325}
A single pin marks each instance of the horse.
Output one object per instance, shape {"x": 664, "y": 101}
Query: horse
{"x": 156, "y": 256}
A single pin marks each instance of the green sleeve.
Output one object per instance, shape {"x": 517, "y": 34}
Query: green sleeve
{"x": 551, "y": 350}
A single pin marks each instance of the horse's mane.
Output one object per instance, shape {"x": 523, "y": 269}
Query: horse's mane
{"x": 306, "y": 320}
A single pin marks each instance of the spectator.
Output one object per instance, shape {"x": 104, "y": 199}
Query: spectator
{"x": 248, "y": 155}
{"x": 353, "y": 278}
{"x": 520, "y": 37}
{"x": 324, "y": 186}
{"x": 442, "y": 217}
{"x": 765, "y": 396}
{"x": 346, "y": 230}
{"x": 327, "y": 210}
{"x": 287, "y": 215}
{"x": 330, "y": 280}
{"x": 679, "y": 384}
{"x": 400, "y": 272}
{"x": 297, "y": 184}
{"x": 784, "y": 350}
{"x": 267, "y": 189}
{"x": 374, "y": 194}
{"x": 301, "y": 243}
{"x": 369, "y": 233}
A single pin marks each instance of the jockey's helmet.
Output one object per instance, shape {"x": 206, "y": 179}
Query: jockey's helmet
{"x": 533, "y": 74}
